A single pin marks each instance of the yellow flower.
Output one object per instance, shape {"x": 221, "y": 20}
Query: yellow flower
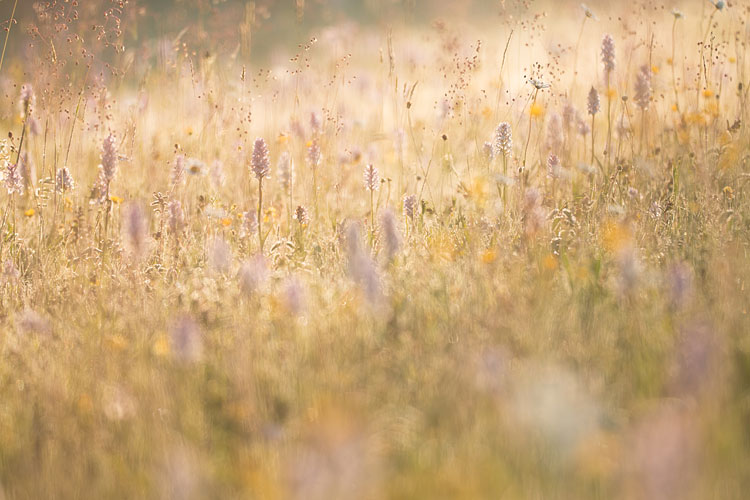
{"x": 696, "y": 119}
{"x": 611, "y": 92}
{"x": 712, "y": 108}
{"x": 30, "y": 212}
{"x": 282, "y": 138}
{"x": 732, "y": 59}
{"x": 655, "y": 69}
{"x": 728, "y": 192}
{"x": 707, "y": 93}
{"x": 477, "y": 190}
{"x": 486, "y": 112}
{"x": 615, "y": 236}
{"x": 226, "y": 221}
{"x": 550, "y": 262}
{"x": 489, "y": 256}
{"x": 270, "y": 215}
{"x": 115, "y": 199}
{"x": 536, "y": 110}
{"x": 161, "y": 346}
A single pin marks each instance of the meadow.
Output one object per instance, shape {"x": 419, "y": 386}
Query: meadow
{"x": 460, "y": 256}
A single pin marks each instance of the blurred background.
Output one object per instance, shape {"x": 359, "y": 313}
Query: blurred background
{"x": 242, "y": 26}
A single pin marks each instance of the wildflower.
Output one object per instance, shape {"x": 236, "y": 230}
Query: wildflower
{"x": 643, "y": 88}
{"x": 285, "y": 168}
{"x": 135, "y": 228}
{"x": 178, "y": 170}
{"x": 608, "y": 53}
{"x": 216, "y": 173}
{"x": 32, "y": 322}
{"x": 10, "y": 273}
{"x": 249, "y": 222}
{"x": 410, "y": 203}
{"x": 539, "y": 84}
{"x": 35, "y": 128}
{"x": 313, "y": 153}
{"x": 175, "y": 217}
{"x": 629, "y": 269}
{"x": 503, "y": 140}
{"x": 98, "y": 193}
{"x": 488, "y": 152}
{"x": 26, "y": 169}
{"x": 219, "y": 255}
{"x": 64, "y": 181}
{"x": 553, "y": 166}
{"x": 555, "y": 136}
{"x": 372, "y": 178}
{"x": 300, "y": 215}
{"x": 677, "y": 13}
{"x": 186, "y": 340}
{"x": 194, "y": 166}
{"x": 569, "y": 115}
{"x": 582, "y": 127}
{"x": 252, "y": 275}
{"x": 27, "y": 100}
{"x": 536, "y": 110}
{"x": 588, "y": 12}
{"x": 362, "y": 269}
{"x": 392, "y": 238}
{"x": 315, "y": 122}
{"x": 261, "y": 163}
{"x": 294, "y": 295}
{"x": 109, "y": 158}
{"x": 13, "y": 179}
{"x": 593, "y": 101}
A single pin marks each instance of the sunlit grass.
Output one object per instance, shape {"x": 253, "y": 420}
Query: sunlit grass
{"x": 429, "y": 261}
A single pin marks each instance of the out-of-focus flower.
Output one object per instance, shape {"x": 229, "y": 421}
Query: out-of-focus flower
{"x": 253, "y": 275}
{"x": 391, "y": 235}
{"x": 135, "y": 229}
{"x": 186, "y": 339}
{"x": 219, "y": 255}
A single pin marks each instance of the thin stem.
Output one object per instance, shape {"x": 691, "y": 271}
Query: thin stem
{"x": 609, "y": 121}
{"x": 372, "y": 215}
{"x": 701, "y": 66}
{"x": 593, "y": 121}
{"x": 674, "y": 79}
{"x": 260, "y": 213}
{"x": 7, "y": 33}
{"x": 528, "y": 136}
